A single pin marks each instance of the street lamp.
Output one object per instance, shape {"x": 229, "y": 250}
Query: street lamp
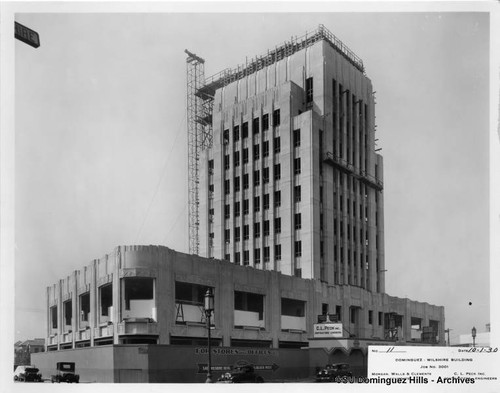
{"x": 474, "y": 337}
{"x": 209, "y": 307}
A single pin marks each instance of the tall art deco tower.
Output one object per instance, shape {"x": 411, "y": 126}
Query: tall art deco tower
{"x": 292, "y": 181}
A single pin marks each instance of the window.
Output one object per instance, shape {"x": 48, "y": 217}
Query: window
{"x": 246, "y": 206}
{"x": 237, "y": 258}
{"x": 277, "y": 171}
{"x": 237, "y": 235}
{"x": 236, "y": 133}
{"x": 236, "y": 184}
{"x": 265, "y": 149}
{"x": 105, "y": 301}
{"x": 296, "y": 138}
{"x": 236, "y": 209}
{"x": 265, "y": 122}
{"x": 211, "y": 166}
{"x": 225, "y": 136}
{"x": 256, "y": 255}
{"x": 338, "y": 312}
{"x": 236, "y": 158}
{"x": 245, "y": 181}
{"x": 266, "y": 254}
{"x": 276, "y": 117}
{"x": 298, "y": 221}
{"x": 227, "y": 235}
{"x": 298, "y": 248}
{"x": 226, "y": 161}
{"x": 256, "y": 178}
{"x": 266, "y": 228}
{"x": 255, "y": 125}
{"x": 246, "y": 232}
{"x": 277, "y": 225}
{"x": 256, "y": 152}
{"x": 277, "y": 252}
{"x": 84, "y": 307}
{"x": 380, "y": 318}
{"x": 297, "y": 194}
{"x": 227, "y": 186}
{"x": 277, "y": 198}
{"x": 53, "y": 317}
{"x": 227, "y": 257}
{"x": 246, "y": 257}
{"x": 266, "y": 201}
{"x": 296, "y": 166}
{"x": 370, "y": 317}
{"x": 227, "y": 211}
{"x": 256, "y": 229}
{"x": 68, "y": 312}
{"x": 245, "y": 155}
{"x": 353, "y": 314}
{"x": 256, "y": 203}
{"x": 244, "y": 130}
{"x": 309, "y": 92}
{"x": 265, "y": 175}
{"x": 277, "y": 145}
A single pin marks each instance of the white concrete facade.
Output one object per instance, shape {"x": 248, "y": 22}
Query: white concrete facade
{"x": 340, "y": 236}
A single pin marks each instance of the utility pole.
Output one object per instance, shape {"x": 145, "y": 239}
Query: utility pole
{"x": 448, "y": 332}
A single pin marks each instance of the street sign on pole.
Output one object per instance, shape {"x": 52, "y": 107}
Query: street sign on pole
{"x": 26, "y": 35}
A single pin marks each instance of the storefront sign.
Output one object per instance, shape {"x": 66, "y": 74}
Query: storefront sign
{"x": 327, "y": 330}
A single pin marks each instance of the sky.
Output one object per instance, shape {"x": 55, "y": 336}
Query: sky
{"x": 101, "y": 141}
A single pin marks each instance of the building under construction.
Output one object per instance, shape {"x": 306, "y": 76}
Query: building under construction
{"x": 285, "y": 164}
{"x": 285, "y": 227}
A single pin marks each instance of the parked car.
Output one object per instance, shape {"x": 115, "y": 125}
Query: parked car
{"x": 332, "y": 371}
{"x": 65, "y": 373}
{"x": 27, "y": 374}
{"x": 241, "y": 374}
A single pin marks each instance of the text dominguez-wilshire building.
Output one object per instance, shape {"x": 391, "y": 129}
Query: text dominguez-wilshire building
{"x": 291, "y": 228}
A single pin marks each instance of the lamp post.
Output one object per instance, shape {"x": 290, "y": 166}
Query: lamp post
{"x": 474, "y": 337}
{"x": 209, "y": 307}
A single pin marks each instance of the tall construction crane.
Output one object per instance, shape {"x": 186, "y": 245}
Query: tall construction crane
{"x": 199, "y": 127}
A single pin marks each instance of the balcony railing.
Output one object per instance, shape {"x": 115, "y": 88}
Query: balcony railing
{"x": 67, "y": 337}
{"x": 248, "y": 319}
{"x": 138, "y": 326}
{"x": 83, "y": 335}
{"x": 103, "y": 331}
{"x": 293, "y": 323}
{"x": 53, "y": 339}
{"x": 189, "y": 312}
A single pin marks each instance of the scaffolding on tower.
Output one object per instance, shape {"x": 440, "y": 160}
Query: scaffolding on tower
{"x": 200, "y": 101}
{"x": 199, "y": 125}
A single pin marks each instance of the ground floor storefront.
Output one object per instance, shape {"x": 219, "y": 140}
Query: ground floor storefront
{"x": 188, "y": 364}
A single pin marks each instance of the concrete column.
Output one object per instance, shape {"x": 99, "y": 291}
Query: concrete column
{"x": 59, "y": 314}
{"x": 274, "y": 302}
{"x": 116, "y": 313}
{"x": 74, "y": 306}
{"x": 94, "y": 307}
{"x": 47, "y": 316}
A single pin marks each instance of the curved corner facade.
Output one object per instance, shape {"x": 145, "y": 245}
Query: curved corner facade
{"x": 154, "y": 295}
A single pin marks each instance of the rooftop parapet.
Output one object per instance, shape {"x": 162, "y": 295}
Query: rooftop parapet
{"x": 224, "y": 77}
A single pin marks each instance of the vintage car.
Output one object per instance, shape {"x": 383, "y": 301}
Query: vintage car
{"x": 241, "y": 374}
{"x": 27, "y": 374}
{"x": 332, "y": 372}
{"x": 65, "y": 373}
